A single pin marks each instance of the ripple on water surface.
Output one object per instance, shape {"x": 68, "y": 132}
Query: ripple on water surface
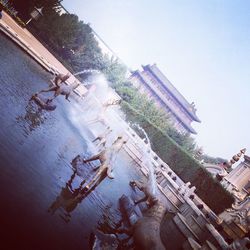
{"x": 36, "y": 148}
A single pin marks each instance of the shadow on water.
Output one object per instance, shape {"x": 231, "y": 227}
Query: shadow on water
{"x": 33, "y": 118}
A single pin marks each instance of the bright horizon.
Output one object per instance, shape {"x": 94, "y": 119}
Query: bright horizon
{"x": 201, "y": 46}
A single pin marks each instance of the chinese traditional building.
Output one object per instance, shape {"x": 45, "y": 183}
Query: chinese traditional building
{"x": 238, "y": 180}
{"x": 237, "y": 218}
{"x": 158, "y": 88}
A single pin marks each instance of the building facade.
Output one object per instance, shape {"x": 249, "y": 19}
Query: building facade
{"x": 152, "y": 82}
{"x": 238, "y": 180}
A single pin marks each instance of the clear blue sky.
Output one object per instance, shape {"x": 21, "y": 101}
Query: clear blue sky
{"x": 202, "y": 46}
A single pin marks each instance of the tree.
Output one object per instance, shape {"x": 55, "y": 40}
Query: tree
{"x": 143, "y": 105}
{"x": 184, "y": 140}
{"x": 114, "y": 70}
{"x": 70, "y": 39}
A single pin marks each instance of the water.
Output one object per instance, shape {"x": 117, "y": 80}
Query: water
{"x": 87, "y": 71}
{"x": 147, "y": 160}
{"x": 98, "y": 105}
{"x": 37, "y": 180}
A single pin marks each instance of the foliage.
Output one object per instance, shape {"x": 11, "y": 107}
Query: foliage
{"x": 71, "y": 39}
{"x": 114, "y": 70}
{"x": 6, "y": 6}
{"x": 147, "y": 108}
{"x": 65, "y": 35}
{"x": 143, "y": 105}
{"x": 212, "y": 160}
{"x": 184, "y": 140}
{"x": 182, "y": 163}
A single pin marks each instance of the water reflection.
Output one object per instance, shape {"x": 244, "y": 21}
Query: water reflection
{"x": 115, "y": 227}
{"x": 109, "y": 233}
{"x": 74, "y": 191}
{"x": 33, "y": 117}
{"x": 68, "y": 198}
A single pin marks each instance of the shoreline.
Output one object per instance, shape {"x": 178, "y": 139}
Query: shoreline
{"x": 30, "y": 45}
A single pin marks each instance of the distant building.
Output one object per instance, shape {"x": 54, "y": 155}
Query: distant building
{"x": 155, "y": 84}
{"x": 238, "y": 180}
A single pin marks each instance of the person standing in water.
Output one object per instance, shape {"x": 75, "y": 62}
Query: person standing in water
{"x": 58, "y": 80}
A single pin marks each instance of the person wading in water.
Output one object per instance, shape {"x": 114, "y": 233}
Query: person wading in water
{"x": 58, "y": 80}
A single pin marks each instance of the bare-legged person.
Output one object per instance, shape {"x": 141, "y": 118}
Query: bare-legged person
{"x": 65, "y": 90}
{"x": 57, "y": 81}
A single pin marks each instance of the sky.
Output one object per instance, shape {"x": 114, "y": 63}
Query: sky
{"x": 203, "y": 48}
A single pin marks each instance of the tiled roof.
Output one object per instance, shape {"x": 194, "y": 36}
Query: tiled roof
{"x": 164, "y": 100}
{"x": 168, "y": 86}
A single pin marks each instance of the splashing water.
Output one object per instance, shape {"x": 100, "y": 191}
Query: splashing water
{"x": 77, "y": 118}
{"x": 147, "y": 159}
{"x": 145, "y": 135}
{"x": 87, "y": 71}
{"x": 92, "y": 108}
{"x": 94, "y": 105}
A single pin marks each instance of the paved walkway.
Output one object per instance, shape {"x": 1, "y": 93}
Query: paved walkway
{"x": 33, "y": 47}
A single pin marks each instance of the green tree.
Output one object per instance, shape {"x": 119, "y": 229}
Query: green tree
{"x": 147, "y": 108}
{"x": 114, "y": 70}
{"x": 186, "y": 141}
{"x": 143, "y": 105}
{"x": 70, "y": 39}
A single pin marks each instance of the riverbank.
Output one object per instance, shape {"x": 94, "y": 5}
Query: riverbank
{"x": 24, "y": 39}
